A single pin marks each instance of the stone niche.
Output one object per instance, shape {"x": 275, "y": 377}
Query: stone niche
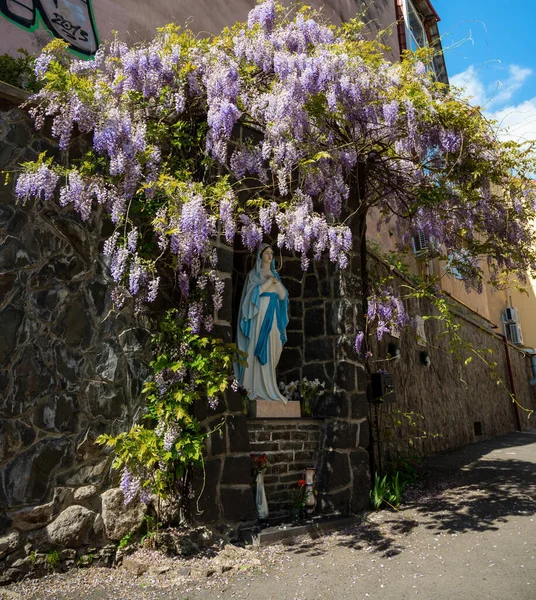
{"x": 321, "y": 332}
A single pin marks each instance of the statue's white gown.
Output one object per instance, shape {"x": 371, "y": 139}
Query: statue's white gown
{"x": 260, "y": 380}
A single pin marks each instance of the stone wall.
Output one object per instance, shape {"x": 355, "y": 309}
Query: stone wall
{"x": 460, "y": 402}
{"x": 71, "y": 367}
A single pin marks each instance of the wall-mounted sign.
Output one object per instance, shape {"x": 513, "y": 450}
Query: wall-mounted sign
{"x": 70, "y": 20}
{"x": 421, "y": 334}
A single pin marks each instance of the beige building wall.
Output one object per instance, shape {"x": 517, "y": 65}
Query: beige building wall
{"x": 490, "y": 304}
{"x": 31, "y": 24}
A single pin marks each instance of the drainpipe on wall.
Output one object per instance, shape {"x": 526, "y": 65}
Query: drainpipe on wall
{"x": 532, "y": 353}
{"x": 512, "y": 384}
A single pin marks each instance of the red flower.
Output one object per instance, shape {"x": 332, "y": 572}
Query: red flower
{"x": 302, "y": 482}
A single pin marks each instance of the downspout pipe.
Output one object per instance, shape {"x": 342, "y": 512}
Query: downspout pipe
{"x": 533, "y": 365}
{"x": 512, "y": 384}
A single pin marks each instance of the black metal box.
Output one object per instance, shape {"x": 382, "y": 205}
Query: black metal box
{"x": 382, "y": 387}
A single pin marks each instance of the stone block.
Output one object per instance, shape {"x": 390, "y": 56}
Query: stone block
{"x": 15, "y": 435}
{"x": 336, "y": 502}
{"x": 59, "y": 269}
{"x": 280, "y": 435}
{"x": 238, "y": 434}
{"x": 33, "y": 517}
{"x": 359, "y": 461}
{"x": 87, "y": 496}
{"x": 74, "y": 325}
{"x": 234, "y": 400}
{"x": 10, "y": 321}
{"x": 306, "y": 456}
{"x": 120, "y": 519}
{"x": 292, "y": 268}
{"x": 218, "y": 442}
{"x": 238, "y": 504}
{"x": 69, "y": 362}
{"x": 296, "y": 310}
{"x": 295, "y": 323}
{"x": 334, "y": 405}
{"x": 314, "y": 323}
{"x": 267, "y": 409}
{"x": 364, "y": 434}
{"x": 291, "y": 358}
{"x": 76, "y": 234}
{"x": 260, "y": 447}
{"x": 7, "y": 154}
{"x": 104, "y": 399}
{"x": 97, "y": 293}
{"x": 6, "y": 214}
{"x": 358, "y": 405}
{"x": 340, "y": 434}
{"x": 321, "y": 349}
{"x": 30, "y": 476}
{"x": 225, "y": 260}
{"x": 57, "y": 413}
{"x": 7, "y": 283}
{"x": 294, "y": 339}
{"x": 72, "y": 527}
{"x": 294, "y": 288}
{"x": 291, "y": 375}
{"x": 334, "y": 471}
{"x": 237, "y": 470}
{"x": 345, "y": 376}
{"x": 208, "y": 500}
{"x": 19, "y": 134}
{"x": 311, "y": 288}
{"x": 5, "y": 522}
{"x": 316, "y": 370}
{"x": 9, "y": 543}
{"x": 200, "y": 409}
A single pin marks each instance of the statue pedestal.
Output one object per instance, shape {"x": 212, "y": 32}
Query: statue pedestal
{"x": 268, "y": 409}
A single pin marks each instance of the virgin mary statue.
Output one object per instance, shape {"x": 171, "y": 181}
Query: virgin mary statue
{"x": 261, "y": 331}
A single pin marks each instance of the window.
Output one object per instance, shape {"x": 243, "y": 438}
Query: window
{"x": 421, "y": 243}
{"x": 415, "y": 32}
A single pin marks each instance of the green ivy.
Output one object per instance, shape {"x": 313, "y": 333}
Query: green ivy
{"x": 19, "y": 71}
{"x": 205, "y": 365}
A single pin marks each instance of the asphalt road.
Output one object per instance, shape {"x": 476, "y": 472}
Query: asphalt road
{"x": 467, "y": 533}
{"x": 471, "y": 536}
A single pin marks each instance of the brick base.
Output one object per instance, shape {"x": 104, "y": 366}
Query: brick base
{"x": 291, "y": 446}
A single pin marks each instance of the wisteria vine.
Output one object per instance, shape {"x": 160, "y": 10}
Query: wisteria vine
{"x": 307, "y": 121}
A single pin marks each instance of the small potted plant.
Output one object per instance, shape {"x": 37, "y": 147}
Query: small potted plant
{"x": 305, "y": 391}
{"x": 297, "y": 500}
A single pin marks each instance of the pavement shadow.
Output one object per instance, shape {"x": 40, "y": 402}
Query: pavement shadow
{"x": 469, "y": 489}
{"x": 365, "y": 536}
{"x": 486, "y": 496}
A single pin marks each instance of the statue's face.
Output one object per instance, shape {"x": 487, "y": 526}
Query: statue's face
{"x": 267, "y": 255}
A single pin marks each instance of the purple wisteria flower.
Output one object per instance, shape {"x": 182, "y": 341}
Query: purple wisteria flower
{"x": 40, "y": 183}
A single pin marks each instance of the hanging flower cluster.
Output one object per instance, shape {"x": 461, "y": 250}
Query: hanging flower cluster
{"x": 329, "y": 129}
{"x": 386, "y": 313}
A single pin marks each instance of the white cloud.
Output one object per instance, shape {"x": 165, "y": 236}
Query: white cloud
{"x": 517, "y": 122}
{"x": 473, "y": 87}
{"x": 514, "y": 121}
{"x": 504, "y": 90}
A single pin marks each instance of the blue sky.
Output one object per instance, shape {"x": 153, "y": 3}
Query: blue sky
{"x": 490, "y": 50}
